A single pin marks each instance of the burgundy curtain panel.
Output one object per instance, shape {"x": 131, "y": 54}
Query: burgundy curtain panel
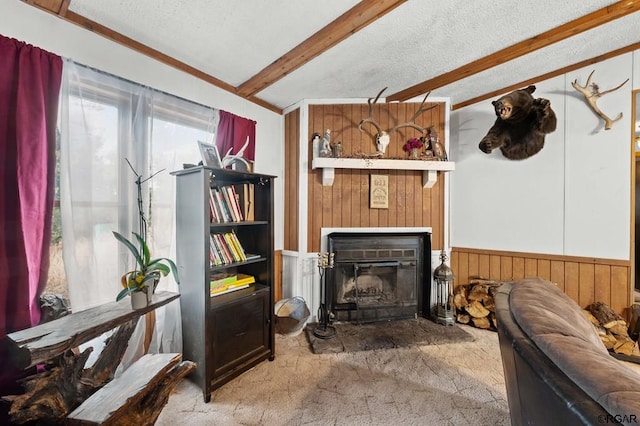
{"x": 29, "y": 89}
{"x": 232, "y": 133}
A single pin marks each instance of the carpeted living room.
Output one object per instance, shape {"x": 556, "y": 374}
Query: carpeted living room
{"x": 451, "y": 383}
{"x": 343, "y": 212}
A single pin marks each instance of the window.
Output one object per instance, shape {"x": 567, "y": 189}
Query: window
{"x": 105, "y": 121}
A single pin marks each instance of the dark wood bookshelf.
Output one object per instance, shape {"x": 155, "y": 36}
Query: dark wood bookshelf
{"x": 224, "y": 335}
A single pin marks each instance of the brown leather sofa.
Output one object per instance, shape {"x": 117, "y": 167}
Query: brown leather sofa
{"x": 557, "y": 371}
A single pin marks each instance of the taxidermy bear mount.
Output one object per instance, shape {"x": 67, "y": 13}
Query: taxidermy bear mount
{"x": 521, "y": 126}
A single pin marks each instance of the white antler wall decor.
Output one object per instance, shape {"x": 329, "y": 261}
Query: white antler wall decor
{"x": 382, "y": 137}
{"x": 591, "y": 95}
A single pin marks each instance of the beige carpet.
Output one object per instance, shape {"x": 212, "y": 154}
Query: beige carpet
{"x": 446, "y": 384}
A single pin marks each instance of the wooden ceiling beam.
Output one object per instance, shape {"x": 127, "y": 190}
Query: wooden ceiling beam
{"x": 570, "y": 29}
{"x": 53, "y": 6}
{"x": 555, "y": 73}
{"x": 350, "y": 22}
{"x": 361, "y": 15}
{"x": 60, "y": 9}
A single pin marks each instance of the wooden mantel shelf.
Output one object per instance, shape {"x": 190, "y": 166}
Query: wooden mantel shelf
{"x": 429, "y": 168}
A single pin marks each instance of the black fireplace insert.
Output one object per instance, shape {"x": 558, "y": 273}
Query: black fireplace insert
{"x": 379, "y": 276}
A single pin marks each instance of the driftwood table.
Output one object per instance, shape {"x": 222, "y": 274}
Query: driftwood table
{"x": 64, "y": 391}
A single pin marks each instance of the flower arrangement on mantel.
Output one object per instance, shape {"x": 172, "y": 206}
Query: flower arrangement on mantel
{"x": 413, "y": 143}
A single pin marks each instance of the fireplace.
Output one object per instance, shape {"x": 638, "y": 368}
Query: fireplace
{"x": 379, "y": 276}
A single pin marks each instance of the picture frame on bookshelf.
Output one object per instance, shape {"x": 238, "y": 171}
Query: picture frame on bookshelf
{"x": 210, "y": 155}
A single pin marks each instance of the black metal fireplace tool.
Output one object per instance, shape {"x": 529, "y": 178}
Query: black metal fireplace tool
{"x": 323, "y": 330}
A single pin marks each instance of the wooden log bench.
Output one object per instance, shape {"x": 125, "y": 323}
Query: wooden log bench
{"x": 137, "y": 396}
{"x": 65, "y": 385}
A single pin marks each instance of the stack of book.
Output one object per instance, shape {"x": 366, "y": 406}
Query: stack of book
{"x": 227, "y": 282}
{"x": 224, "y": 205}
{"x": 225, "y": 248}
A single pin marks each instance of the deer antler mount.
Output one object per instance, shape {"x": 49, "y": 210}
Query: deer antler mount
{"x": 383, "y": 136}
{"x": 592, "y": 94}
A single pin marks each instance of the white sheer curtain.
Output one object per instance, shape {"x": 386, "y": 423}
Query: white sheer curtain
{"x": 104, "y": 121}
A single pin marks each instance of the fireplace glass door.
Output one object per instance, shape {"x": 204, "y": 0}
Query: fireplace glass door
{"x": 376, "y": 277}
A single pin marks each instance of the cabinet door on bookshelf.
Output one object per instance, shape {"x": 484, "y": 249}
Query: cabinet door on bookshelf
{"x": 239, "y": 332}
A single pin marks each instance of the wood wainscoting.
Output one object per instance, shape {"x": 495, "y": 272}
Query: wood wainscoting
{"x": 585, "y": 280}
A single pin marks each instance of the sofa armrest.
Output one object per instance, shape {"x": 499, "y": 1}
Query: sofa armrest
{"x": 538, "y": 392}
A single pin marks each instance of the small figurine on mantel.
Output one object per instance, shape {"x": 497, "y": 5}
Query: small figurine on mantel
{"x": 337, "y": 149}
{"x": 315, "y": 144}
{"x": 325, "y": 150}
{"x": 435, "y": 145}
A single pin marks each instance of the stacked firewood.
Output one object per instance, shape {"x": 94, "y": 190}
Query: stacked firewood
{"x": 612, "y": 329}
{"x": 475, "y": 303}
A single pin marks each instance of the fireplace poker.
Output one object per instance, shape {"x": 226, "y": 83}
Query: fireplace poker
{"x": 323, "y": 330}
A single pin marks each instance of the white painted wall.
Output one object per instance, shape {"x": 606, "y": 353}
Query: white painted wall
{"x": 636, "y": 70}
{"x": 598, "y": 166}
{"x": 26, "y": 23}
{"x": 572, "y": 198}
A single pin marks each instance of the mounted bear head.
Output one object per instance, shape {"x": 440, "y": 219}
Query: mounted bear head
{"x": 516, "y": 105}
{"x": 521, "y": 125}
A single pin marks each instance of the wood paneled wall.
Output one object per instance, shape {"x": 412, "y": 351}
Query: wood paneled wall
{"x": 291, "y": 179}
{"x": 585, "y": 280}
{"x": 346, "y": 203}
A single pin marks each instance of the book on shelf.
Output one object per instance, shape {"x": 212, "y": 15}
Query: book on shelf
{"x": 248, "y": 193}
{"x": 252, "y": 256}
{"x": 243, "y": 252}
{"x": 231, "y": 248}
{"x": 213, "y": 218}
{"x": 214, "y": 254}
{"x": 228, "y": 290}
{"x": 222, "y": 279}
{"x": 226, "y": 248}
{"x": 238, "y": 246}
{"x": 245, "y": 279}
{"x": 232, "y": 202}
{"x": 227, "y": 202}
{"x": 223, "y": 249}
{"x": 224, "y": 203}
{"x": 241, "y": 281}
{"x": 214, "y": 203}
{"x": 221, "y": 253}
{"x": 236, "y": 203}
{"x": 221, "y": 214}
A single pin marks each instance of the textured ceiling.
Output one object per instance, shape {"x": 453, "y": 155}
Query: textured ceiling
{"x": 417, "y": 41}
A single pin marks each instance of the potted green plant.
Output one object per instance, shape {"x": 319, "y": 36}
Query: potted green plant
{"x": 145, "y": 277}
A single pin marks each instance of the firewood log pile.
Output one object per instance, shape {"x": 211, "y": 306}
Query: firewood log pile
{"x": 612, "y": 329}
{"x": 475, "y": 303}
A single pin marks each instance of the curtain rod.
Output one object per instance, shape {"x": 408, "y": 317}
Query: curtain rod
{"x": 140, "y": 84}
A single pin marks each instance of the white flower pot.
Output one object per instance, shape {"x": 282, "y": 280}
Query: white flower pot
{"x": 139, "y": 300}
